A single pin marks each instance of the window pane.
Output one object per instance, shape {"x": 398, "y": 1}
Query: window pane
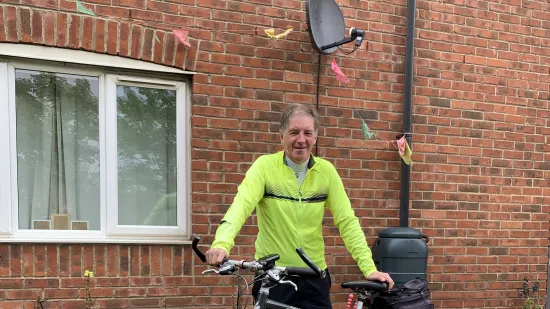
{"x": 57, "y": 150}
{"x": 146, "y": 140}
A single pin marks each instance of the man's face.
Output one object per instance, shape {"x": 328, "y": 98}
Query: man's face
{"x": 298, "y": 139}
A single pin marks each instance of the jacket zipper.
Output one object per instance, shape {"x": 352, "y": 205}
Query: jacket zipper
{"x": 300, "y": 211}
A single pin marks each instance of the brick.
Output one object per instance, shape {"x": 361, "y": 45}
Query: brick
{"x": 100, "y": 33}
{"x": 146, "y": 15}
{"x": 136, "y": 42}
{"x": 99, "y": 261}
{"x": 25, "y": 21}
{"x": 129, "y": 3}
{"x": 134, "y": 261}
{"x": 88, "y": 33}
{"x": 158, "y": 47}
{"x": 75, "y": 261}
{"x": 147, "y": 51}
{"x": 112, "y": 11}
{"x": 112, "y": 261}
{"x": 123, "y": 41}
{"x": 169, "y": 49}
{"x": 36, "y": 34}
{"x": 112, "y": 38}
{"x": 49, "y": 25}
{"x": 74, "y": 31}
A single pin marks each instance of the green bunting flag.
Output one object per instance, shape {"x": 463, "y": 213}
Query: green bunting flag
{"x": 82, "y": 9}
{"x": 366, "y": 132}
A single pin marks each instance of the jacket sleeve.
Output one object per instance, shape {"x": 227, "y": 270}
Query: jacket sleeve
{"x": 348, "y": 224}
{"x": 249, "y": 194}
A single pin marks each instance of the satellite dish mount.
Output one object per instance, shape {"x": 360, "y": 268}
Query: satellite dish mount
{"x": 355, "y": 35}
{"x": 326, "y": 26}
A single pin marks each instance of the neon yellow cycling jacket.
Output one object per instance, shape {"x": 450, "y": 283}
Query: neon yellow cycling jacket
{"x": 291, "y": 215}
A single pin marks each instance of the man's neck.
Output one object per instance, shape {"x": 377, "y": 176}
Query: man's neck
{"x": 298, "y": 169}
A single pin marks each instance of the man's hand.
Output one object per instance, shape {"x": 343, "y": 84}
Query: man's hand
{"x": 215, "y": 256}
{"x": 380, "y": 276}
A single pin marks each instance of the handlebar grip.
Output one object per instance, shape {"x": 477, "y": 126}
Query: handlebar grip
{"x": 309, "y": 262}
{"x": 198, "y": 252}
{"x": 300, "y": 271}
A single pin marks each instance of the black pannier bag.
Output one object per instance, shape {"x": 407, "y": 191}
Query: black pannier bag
{"x": 414, "y": 294}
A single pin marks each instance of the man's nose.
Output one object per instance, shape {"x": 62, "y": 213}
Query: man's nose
{"x": 301, "y": 137}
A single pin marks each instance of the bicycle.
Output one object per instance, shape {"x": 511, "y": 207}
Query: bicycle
{"x": 271, "y": 275}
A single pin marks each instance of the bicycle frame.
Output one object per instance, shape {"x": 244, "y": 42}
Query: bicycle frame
{"x": 363, "y": 298}
{"x": 264, "y": 302}
{"x": 364, "y": 291}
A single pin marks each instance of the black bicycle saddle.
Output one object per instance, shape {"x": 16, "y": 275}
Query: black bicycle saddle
{"x": 374, "y": 286}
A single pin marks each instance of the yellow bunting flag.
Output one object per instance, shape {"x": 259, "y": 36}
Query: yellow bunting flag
{"x": 271, "y": 33}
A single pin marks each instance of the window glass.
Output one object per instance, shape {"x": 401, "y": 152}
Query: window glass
{"x": 146, "y": 150}
{"x": 58, "y": 156}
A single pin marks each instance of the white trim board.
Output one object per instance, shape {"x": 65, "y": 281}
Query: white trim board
{"x": 83, "y": 57}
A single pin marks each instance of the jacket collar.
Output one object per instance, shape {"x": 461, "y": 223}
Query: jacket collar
{"x": 310, "y": 163}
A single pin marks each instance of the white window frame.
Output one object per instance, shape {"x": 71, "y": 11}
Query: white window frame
{"x": 110, "y": 231}
{"x": 5, "y": 173}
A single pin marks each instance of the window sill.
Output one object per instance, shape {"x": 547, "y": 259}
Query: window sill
{"x": 142, "y": 240}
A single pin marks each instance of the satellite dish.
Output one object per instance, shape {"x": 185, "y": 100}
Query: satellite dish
{"x": 326, "y": 26}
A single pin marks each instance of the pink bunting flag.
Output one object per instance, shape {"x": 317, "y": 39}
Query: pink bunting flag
{"x": 405, "y": 151}
{"x": 339, "y": 74}
{"x": 181, "y": 35}
{"x": 401, "y": 145}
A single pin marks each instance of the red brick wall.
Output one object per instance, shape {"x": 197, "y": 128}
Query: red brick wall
{"x": 480, "y": 117}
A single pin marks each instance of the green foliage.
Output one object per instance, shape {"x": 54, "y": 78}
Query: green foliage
{"x": 89, "y": 301}
{"x": 530, "y": 294}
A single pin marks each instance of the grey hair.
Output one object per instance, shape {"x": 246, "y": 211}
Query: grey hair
{"x": 296, "y": 109}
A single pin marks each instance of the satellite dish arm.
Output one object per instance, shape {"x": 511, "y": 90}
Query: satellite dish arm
{"x": 355, "y": 34}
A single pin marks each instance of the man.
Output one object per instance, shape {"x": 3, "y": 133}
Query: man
{"x": 290, "y": 191}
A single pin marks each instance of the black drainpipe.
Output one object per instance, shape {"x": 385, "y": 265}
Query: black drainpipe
{"x": 407, "y": 112}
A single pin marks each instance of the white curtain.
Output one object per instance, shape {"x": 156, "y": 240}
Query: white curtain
{"x": 57, "y": 147}
{"x": 146, "y": 149}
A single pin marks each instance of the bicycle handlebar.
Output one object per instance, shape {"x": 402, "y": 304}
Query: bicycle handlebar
{"x": 255, "y": 266}
{"x": 198, "y": 252}
{"x": 266, "y": 263}
{"x": 310, "y": 263}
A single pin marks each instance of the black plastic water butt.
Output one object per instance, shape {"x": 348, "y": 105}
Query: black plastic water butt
{"x": 402, "y": 252}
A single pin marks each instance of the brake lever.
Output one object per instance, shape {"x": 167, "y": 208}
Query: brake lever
{"x": 289, "y": 282}
{"x": 211, "y": 270}
{"x": 225, "y": 269}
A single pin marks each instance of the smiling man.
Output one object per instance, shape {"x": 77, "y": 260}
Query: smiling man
{"x": 290, "y": 191}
